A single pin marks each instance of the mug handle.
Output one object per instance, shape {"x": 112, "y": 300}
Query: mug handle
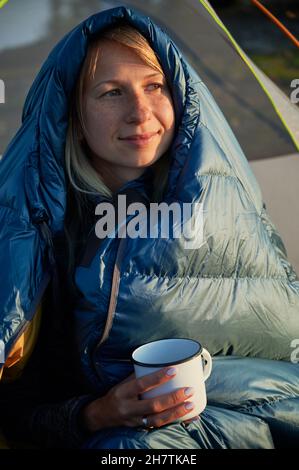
{"x": 207, "y": 368}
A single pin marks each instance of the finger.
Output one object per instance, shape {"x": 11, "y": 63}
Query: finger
{"x": 170, "y": 415}
{"x": 163, "y": 402}
{"x": 150, "y": 381}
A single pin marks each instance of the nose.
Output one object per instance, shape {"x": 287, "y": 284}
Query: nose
{"x": 139, "y": 110}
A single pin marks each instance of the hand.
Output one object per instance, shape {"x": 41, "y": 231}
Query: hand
{"x": 121, "y": 406}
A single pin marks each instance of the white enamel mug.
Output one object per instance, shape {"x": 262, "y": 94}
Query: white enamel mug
{"x": 193, "y": 364}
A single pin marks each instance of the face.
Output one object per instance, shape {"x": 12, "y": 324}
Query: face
{"x": 128, "y": 115}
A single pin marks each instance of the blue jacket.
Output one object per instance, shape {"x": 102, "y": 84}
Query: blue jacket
{"x": 236, "y": 293}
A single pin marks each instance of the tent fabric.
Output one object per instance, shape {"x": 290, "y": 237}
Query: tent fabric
{"x": 236, "y": 292}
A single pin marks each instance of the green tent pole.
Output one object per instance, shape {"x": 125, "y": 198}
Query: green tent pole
{"x": 250, "y": 66}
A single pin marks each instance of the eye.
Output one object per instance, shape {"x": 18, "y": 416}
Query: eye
{"x": 114, "y": 92}
{"x": 156, "y": 86}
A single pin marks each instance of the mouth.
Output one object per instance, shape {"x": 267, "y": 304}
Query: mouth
{"x": 140, "y": 140}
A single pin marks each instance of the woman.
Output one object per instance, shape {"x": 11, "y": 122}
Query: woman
{"x": 153, "y": 133}
{"x": 122, "y": 80}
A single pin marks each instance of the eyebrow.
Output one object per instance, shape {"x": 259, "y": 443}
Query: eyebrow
{"x": 119, "y": 82}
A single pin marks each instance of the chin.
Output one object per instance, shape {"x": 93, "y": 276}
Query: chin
{"x": 141, "y": 162}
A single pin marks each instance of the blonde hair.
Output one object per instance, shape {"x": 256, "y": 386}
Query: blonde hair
{"x": 82, "y": 179}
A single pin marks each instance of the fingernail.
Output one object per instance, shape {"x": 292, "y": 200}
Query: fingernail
{"x": 189, "y": 406}
{"x": 189, "y": 391}
{"x": 171, "y": 371}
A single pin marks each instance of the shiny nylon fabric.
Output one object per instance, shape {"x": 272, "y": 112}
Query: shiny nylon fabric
{"x": 252, "y": 404}
{"x": 237, "y": 293}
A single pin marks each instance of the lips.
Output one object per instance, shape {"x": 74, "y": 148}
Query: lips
{"x": 140, "y": 137}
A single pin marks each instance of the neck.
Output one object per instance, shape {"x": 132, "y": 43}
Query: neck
{"x": 114, "y": 176}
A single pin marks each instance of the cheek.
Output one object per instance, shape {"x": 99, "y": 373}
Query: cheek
{"x": 95, "y": 124}
{"x": 167, "y": 115}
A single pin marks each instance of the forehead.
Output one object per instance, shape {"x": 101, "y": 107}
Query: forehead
{"x": 112, "y": 60}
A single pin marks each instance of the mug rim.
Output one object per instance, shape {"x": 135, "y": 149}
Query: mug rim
{"x": 165, "y": 364}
